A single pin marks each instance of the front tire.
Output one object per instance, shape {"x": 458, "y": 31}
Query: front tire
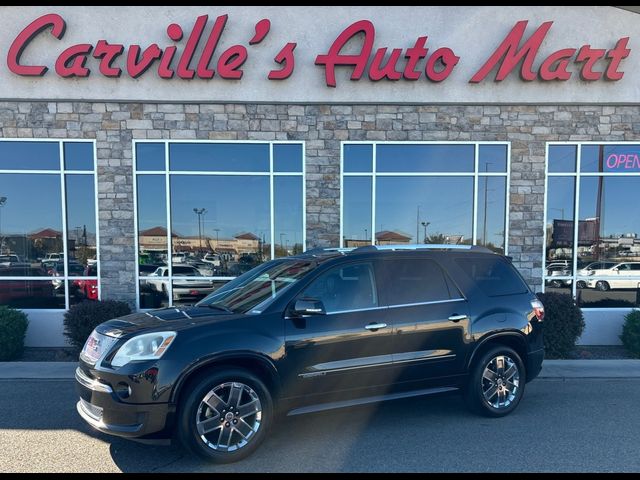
{"x": 602, "y": 286}
{"x": 225, "y": 416}
{"x": 496, "y": 383}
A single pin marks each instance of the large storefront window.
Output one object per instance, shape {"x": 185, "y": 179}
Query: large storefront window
{"x": 228, "y": 206}
{"x": 594, "y": 186}
{"x": 48, "y": 235}
{"x": 426, "y": 192}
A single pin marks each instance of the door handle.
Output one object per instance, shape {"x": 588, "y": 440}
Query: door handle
{"x": 456, "y": 318}
{"x": 376, "y": 326}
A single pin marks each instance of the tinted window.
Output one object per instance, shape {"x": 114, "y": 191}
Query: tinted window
{"x": 416, "y": 281}
{"x": 78, "y": 156}
{"x": 30, "y": 155}
{"x": 346, "y": 287}
{"x": 562, "y": 158}
{"x": 221, "y": 157}
{"x": 287, "y": 157}
{"x": 493, "y": 275}
{"x": 425, "y": 158}
{"x": 358, "y": 158}
{"x": 150, "y": 156}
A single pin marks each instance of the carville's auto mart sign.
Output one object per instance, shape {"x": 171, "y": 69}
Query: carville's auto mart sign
{"x": 246, "y": 53}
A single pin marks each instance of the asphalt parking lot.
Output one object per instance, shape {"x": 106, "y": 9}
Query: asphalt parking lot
{"x": 561, "y": 425}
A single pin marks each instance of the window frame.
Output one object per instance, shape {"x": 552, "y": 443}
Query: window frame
{"x": 167, "y": 173}
{"x": 475, "y": 175}
{"x": 62, "y": 172}
{"x": 577, "y": 177}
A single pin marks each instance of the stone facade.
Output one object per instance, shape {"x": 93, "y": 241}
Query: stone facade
{"x": 323, "y": 128}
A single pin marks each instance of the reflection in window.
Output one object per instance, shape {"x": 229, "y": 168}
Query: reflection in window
{"x": 425, "y": 193}
{"x": 228, "y": 216}
{"x": 491, "y": 212}
{"x": 425, "y": 158}
{"x": 607, "y": 272}
{"x": 219, "y": 157}
{"x": 27, "y": 240}
{"x": 559, "y": 231}
{"x": 424, "y": 210}
{"x": 36, "y": 239}
{"x": 25, "y": 155}
{"x": 81, "y": 222}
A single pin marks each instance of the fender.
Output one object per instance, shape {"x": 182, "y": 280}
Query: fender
{"x": 519, "y": 336}
{"x": 213, "y": 359}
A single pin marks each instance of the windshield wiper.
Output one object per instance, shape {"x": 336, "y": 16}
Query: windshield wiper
{"x": 218, "y": 307}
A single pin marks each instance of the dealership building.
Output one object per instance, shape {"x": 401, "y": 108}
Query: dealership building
{"x": 150, "y": 154}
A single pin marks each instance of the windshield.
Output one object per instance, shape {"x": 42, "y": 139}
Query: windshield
{"x": 259, "y": 286}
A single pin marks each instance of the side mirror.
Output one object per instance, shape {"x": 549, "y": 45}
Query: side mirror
{"x": 308, "y": 306}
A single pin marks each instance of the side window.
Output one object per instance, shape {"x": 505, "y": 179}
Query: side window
{"x": 416, "y": 281}
{"x": 494, "y": 276}
{"x": 634, "y": 266}
{"x": 345, "y": 287}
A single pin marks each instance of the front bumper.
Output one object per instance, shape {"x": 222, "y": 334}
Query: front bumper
{"x": 103, "y": 410}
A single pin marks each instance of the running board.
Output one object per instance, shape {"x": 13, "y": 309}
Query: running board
{"x": 365, "y": 400}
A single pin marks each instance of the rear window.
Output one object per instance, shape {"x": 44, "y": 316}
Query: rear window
{"x": 494, "y": 276}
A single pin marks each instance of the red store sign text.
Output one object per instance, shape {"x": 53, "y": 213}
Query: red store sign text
{"x": 179, "y": 59}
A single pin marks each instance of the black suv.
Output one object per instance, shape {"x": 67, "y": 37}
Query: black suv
{"x": 325, "y": 329}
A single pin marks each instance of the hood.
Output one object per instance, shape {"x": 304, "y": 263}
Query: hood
{"x": 174, "y": 318}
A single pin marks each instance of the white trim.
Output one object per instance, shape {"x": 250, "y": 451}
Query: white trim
{"x": 167, "y": 173}
{"x": 475, "y": 174}
{"x": 577, "y": 175}
{"x": 62, "y": 172}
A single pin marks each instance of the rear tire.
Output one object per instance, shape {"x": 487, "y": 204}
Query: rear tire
{"x": 496, "y": 382}
{"x": 602, "y": 286}
{"x": 225, "y": 416}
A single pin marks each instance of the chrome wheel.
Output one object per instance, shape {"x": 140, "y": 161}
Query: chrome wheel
{"x": 500, "y": 381}
{"x": 229, "y": 416}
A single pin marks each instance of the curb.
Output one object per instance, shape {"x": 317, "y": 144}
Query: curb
{"x": 560, "y": 369}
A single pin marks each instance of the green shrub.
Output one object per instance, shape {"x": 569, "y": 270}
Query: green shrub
{"x": 631, "y": 332}
{"x": 81, "y": 319}
{"x": 563, "y": 324}
{"x": 13, "y": 327}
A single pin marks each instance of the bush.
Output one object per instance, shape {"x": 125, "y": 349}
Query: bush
{"x": 563, "y": 324}
{"x": 81, "y": 319}
{"x": 631, "y": 332}
{"x": 13, "y": 327}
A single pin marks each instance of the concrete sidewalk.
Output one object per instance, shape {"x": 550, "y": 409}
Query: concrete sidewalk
{"x": 550, "y": 369}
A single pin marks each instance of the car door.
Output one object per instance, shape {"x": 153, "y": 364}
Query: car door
{"x": 347, "y": 347}
{"x": 430, "y": 318}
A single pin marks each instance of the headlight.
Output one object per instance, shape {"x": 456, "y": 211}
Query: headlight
{"x": 149, "y": 346}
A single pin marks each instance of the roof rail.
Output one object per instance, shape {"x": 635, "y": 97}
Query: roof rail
{"x": 321, "y": 250}
{"x": 430, "y": 246}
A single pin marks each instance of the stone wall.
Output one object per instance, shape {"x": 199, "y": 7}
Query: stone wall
{"x": 323, "y": 128}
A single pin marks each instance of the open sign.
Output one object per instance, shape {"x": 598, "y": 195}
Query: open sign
{"x": 623, "y": 161}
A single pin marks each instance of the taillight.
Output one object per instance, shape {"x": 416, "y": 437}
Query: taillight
{"x": 538, "y": 309}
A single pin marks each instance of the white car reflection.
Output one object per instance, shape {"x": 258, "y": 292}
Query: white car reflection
{"x": 188, "y": 282}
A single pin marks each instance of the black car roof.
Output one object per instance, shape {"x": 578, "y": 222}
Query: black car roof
{"x": 323, "y": 254}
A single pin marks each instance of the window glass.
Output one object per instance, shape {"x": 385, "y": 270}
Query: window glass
{"x": 288, "y": 215}
{"x": 425, "y": 158}
{"x": 358, "y": 158}
{"x": 424, "y": 210}
{"x": 154, "y": 293}
{"x": 560, "y": 214}
{"x": 356, "y": 211}
{"x": 494, "y": 276}
{"x": 78, "y": 156}
{"x": 562, "y": 158}
{"x": 493, "y": 158}
{"x": 150, "y": 157}
{"x": 81, "y": 222}
{"x": 416, "y": 281}
{"x": 610, "y": 158}
{"x": 29, "y": 155}
{"x": 287, "y": 157}
{"x": 219, "y": 157}
{"x": 492, "y": 194}
{"x": 232, "y": 220}
{"x": 152, "y": 223}
{"x": 344, "y": 288}
{"x": 31, "y": 240}
{"x": 34, "y": 294}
